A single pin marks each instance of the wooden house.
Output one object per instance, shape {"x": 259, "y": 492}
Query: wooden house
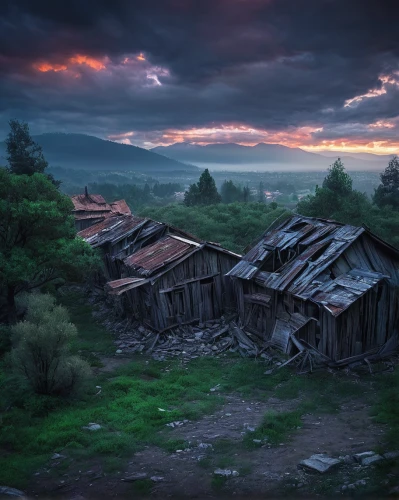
{"x": 176, "y": 281}
{"x": 332, "y": 286}
{"x": 89, "y": 209}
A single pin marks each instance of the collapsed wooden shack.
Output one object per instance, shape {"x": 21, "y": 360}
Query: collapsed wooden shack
{"x": 120, "y": 236}
{"x": 175, "y": 281}
{"x": 321, "y": 284}
{"x": 89, "y": 209}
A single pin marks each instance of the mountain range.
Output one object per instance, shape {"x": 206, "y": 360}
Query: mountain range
{"x": 264, "y": 155}
{"x": 81, "y": 151}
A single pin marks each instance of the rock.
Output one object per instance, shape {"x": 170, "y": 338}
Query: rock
{"x": 347, "y": 459}
{"x": 57, "y": 456}
{"x": 249, "y": 428}
{"x": 157, "y": 479}
{"x": 214, "y": 348}
{"x": 371, "y": 460}
{"x": 141, "y": 329}
{"x": 92, "y": 427}
{"x": 118, "y": 351}
{"x": 320, "y": 463}
{"x": 269, "y": 372}
{"x": 205, "y": 445}
{"x": 359, "y": 457}
{"x": 225, "y": 473}
{"x": 216, "y": 388}
{"x": 257, "y": 441}
{"x": 13, "y": 492}
{"x": 135, "y": 477}
{"x": 391, "y": 455}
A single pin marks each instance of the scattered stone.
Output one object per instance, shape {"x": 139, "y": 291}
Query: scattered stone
{"x": 346, "y": 459}
{"x": 257, "y": 441}
{"x": 320, "y": 463}
{"x": 92, "y": 427}
{"x": 157, "y": 479}
{"x": 225, "y": 473}
{"x": 57, "y": 456}
{"x": 216, "y": 388}
{"x": 249, "y": 428}
{"x": 118, "y": 351}
{"x": 135, "y": 477}
{"x": 269, "y": 372}
{"x": 371, "y": 460}
{"x": 178, "y": 423}
{"x": 204, "y": 446}
{"x": 13, "y": 492}
{"x": 359, "y": 457}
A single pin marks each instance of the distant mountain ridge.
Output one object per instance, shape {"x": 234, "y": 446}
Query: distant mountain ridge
{"x": 264, "y": 154}
{"x": 81, "y": 151}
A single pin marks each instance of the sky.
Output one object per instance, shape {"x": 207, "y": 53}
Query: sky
{"x": 315, "y": 74}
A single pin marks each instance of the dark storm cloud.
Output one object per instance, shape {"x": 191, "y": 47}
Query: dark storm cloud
{"x": 269, "y": 64}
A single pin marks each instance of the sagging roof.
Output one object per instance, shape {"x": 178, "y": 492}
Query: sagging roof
{"x": 114, "y": 228}
{"x": 310, "y": 248}
{"x": 90, "y": 203}
{"x": 156, "y": 256}
{"x": 86, "y": 204}
{"x": 339, "y": 294}
{"x": 120, "y": 207}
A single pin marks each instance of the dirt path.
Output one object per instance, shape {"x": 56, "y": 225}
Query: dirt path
{"x": 213, "y": 441}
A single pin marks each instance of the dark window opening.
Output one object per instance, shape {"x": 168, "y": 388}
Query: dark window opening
{"x": 297, "y": 227}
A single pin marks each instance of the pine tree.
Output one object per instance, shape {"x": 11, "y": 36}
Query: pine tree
{"x": 204, "y": 192}
{"x": 387, "y": 192}
{"x": 24, "y": 155}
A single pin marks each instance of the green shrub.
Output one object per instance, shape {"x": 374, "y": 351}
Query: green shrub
{"x": 41, "y": 354}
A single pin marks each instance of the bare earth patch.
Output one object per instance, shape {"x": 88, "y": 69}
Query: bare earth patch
{"x": 217, "y": 441}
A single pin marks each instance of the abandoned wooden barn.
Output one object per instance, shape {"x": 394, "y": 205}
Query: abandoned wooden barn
{"x": 120, "y": 236}
{"x": 89, "y": 209}
{"x": 174, "y": 281}
{"x": 332, "y": 286}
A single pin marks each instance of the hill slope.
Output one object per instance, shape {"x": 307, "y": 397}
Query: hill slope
{"x": 87, "y": 152}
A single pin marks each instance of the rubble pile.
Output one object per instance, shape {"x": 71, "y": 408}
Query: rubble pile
{"x": 212, "y": 338}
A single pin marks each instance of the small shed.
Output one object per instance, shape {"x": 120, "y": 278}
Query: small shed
{"x": 89, "y": 209}
{"x": 331, "y": 285}
{"x": 176, "y": 281}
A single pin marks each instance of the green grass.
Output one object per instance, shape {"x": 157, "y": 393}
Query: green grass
{"x": 386, "y": 408}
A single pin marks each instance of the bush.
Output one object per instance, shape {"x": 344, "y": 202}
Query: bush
{"x": 41, "y": 354}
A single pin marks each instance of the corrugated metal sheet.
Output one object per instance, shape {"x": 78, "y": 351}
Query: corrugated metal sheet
{"x": 337, "y": 295}
{"x": 153, "y": 257}
{"x": 243, "y": 270}
{"x": 115, "y": 228}
{"x": 117, "y": 287}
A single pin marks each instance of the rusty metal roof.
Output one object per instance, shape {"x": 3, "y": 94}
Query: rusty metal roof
{"x": 120, "y": 207}
{"x": 165, "y": 251}
{"x": 315, "y": 246}
{"x": 90, "y": 203}
{"x": 114, "y": 228}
